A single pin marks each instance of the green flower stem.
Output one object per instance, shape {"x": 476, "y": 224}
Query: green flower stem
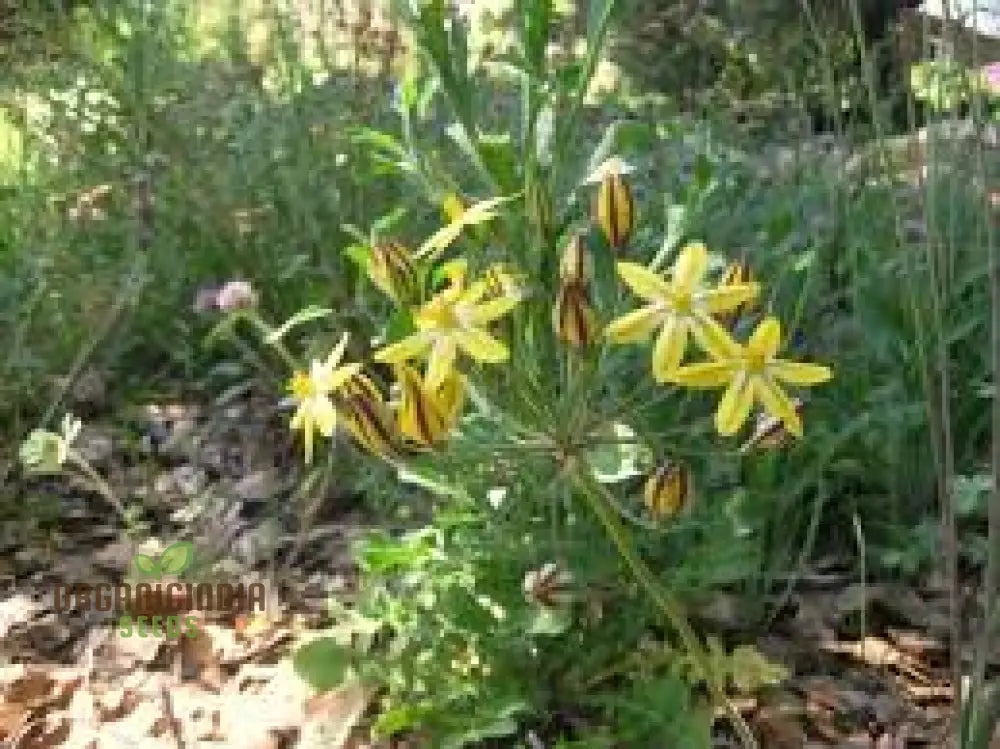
{"x": 95, "y": 480}
{"x": 265, "y": 330}
{"x": 602, "y": 506}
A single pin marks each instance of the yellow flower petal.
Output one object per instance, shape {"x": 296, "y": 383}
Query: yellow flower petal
{"x": 644, "y": 282}
{"x": 726, "y": 298}
{"x": 765, "y": 339}
{"x": 481, "y": 346}
{"x": 635, "y": 326}
{"x": 441, "y": 362}
{"x": 408, "y": 348}
{"x": 778, "y": 404}
{"x": 492, "y": 310}
{"x": 324, "y": 415}
{"x": 475, "y": 292}
{"x": 340, "y": 376}
{"x": 799, "y": 373}
{"x": 704, "y": 375}
{"x": 668, "y": 353}
{"x": 734, "y": 408}
{"x": 337, "y": 354}
{"x": 690, "y": 267}
{"x": 714, "y": 339}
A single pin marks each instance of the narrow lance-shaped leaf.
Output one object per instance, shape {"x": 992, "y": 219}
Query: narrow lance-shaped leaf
{"x": 306, "y": 315}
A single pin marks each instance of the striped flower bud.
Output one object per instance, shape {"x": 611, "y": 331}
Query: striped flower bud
{"x": 668, "y": 490}
{"x": 368, "y": 416}
{"x": 573, "y": 319}
{"x": 615, "y": 209}
{"x": 391, "y": 269}
{"x": 549, "y": 586}
{"x": 574, "y": 266}
{"x": 427, "y": 416}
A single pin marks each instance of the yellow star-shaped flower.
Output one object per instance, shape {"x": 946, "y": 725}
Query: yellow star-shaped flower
{"x": 311, "y": 391}
{"x": 455, "y": 319}
{"x": 752, "y": 372}
{"x": 678, "y": 307}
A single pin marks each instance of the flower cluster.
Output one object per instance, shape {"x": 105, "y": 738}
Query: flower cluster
{"x": 453, "y": 324}
{"x": 682, "y": 306}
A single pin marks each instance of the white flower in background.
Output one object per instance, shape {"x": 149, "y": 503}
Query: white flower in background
{"x": 46, "y": 452}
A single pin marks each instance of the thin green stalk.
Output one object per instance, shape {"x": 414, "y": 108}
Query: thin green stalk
{"x": 96, "y": 481}
{"x": 602, "y": 506}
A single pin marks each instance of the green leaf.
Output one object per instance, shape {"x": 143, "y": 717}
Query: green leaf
{"x": 306, "y": 315}
{"x": 358, "y": 254}
{"x": 147, "y": 565}
{"x": 176, "y": 558}
{"x": 490, "y": 722}
{"x": 750, "y": 670}
{"x": 598, "y": 19}
{"x": 550, "y": 622}
{"x": 621, "y": 458}
{"x": 323, "y": 663}
{"x": 378, "y": 140}
{"x": 384, "y": 224}
{"x": 399, "y": 718}
{"x": 399, "y": 325}
{"x": 379, "y": 553}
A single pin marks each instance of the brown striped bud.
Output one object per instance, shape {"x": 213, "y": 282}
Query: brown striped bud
{"x": 427, "y": 416}
{"x": 615, "y": 209}
{"x": 392, "y": 270}
{"x": 549, "y": 586}
{"x": 574, "y": 266}
{"x": 573, "y": 319}
{"x": 368, "y": 416}
{"x": 668, "y": 490}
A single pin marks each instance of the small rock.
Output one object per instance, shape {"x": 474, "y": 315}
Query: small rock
{"x": 257, "y": 486}
{"x": 185, "y": 480}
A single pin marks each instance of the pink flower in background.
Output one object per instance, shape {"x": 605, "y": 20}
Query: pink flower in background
{"x": 231, "y": 296}
{"x": 991, "y": 73}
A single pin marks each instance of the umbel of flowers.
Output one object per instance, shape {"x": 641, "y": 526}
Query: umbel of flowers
{"x": 679, "y": 311}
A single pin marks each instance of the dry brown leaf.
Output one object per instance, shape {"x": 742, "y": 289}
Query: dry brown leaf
{"x": 779, "y": 727}
{"x": 332, "y": 717}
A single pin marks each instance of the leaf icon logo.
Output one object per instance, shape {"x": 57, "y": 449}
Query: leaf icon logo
{"x": 175, "y": 559}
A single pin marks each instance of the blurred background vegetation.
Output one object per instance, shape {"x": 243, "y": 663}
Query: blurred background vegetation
{"x": 149, "y": 149}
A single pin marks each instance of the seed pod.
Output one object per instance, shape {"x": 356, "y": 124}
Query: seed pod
{"x": 668, "y": 490}
{"x": 391, "y": 269}
{"x": 574, "y": 267}
{"x": 769, "y": 432}
{"x": 615, "y": 209}
{"x": 573, "y": 318}
{"x": 548, "y": 586}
